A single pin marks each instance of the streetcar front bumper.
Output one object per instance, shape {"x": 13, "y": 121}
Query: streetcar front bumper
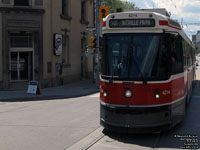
{"x": 136, "y": 119}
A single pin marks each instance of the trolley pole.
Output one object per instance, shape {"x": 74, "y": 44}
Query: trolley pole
{"x": 96, "y": 56}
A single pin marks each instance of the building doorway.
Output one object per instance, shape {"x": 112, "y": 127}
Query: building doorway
{"x": 21, "y": 56}
{"x": 21, "y": 66}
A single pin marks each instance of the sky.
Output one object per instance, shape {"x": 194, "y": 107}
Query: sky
{"x": 185, "y": 11}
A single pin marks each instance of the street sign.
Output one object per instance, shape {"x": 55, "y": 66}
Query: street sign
{"x": 87, "y": 52}
{"x": 33, "y": 88}
{"x": 91, "y": 29}
{"x": 58, "y": 45}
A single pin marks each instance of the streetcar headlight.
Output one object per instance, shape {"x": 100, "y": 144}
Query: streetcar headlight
{"x": 105, "y": 94}
{"x": 128, "y": 93}
{"x": 157, "y": 93}
{"x": 157, "y": 96}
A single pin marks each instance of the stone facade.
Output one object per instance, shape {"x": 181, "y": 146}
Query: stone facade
{"x": 27, "y": 43}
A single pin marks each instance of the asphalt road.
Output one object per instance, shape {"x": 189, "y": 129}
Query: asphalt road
{"x": 47, "y": 125}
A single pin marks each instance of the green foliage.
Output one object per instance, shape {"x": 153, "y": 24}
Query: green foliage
{"x": 130, "y": 6}
{"x": 114, "y": 4}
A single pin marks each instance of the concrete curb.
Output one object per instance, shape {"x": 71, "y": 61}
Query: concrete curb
{"x": 88, "y": 141}
{"x": 47, "y": 97}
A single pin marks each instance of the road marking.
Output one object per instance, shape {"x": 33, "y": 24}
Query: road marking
{"x": 93, "y": 142}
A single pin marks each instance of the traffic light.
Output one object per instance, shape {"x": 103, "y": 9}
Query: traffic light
{"x": 93, "y": 42}
{"x": 103, "y": 12}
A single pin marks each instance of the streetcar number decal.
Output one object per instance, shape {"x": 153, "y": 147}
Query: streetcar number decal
{"x": 124, "y": 23}
{"x": 166, "y": 92}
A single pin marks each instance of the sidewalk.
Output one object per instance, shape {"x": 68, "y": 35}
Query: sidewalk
{"x": 70, "y": 90}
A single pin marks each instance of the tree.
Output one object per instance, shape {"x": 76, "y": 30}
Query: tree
{"x": 114, "y": 4}
{"x": 130, "y": 6}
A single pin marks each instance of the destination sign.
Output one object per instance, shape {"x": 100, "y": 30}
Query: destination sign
{"x": 128, "y": 23}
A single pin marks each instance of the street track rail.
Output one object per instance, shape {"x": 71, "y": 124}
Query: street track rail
{"x": 93, "y": 142}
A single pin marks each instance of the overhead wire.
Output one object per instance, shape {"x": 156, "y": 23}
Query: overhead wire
{"x": 185, "y": 25}
{"x": 181, "y": 17}
{"x": 154, "y": 4}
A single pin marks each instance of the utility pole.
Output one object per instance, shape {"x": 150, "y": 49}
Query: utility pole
{"x": 96, "y": 56}
{"x": 65, "y": 30}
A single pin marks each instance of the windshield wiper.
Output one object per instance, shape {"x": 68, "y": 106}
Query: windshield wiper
{"x": 113, "y": 75}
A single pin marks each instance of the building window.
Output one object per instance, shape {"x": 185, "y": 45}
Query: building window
{"x": 83, "y": 12}
{"x": 6, "y": 1}
{"x": 65, "y": 10}
{"x": 65, "y": 7}
{"x": 39, "y": 2}
{"x": 21, "y": 2}
{"x": 21, "y": 39}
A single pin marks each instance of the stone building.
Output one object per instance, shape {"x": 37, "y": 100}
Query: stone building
{"x": 44, "y": 40}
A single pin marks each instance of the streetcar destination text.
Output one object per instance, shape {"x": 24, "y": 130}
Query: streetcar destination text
{"x": 125, "y": 23}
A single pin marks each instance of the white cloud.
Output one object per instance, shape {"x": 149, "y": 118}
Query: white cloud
{"x": 189, "y": 10}
{"x": 125, "y": 0}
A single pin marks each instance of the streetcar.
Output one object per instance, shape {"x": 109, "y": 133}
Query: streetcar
{"x": 147, "y": 71}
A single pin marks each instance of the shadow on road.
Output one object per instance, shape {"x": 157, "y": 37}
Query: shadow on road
{"x": 52, "y": 97}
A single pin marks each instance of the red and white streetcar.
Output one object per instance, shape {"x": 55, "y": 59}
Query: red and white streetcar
{"x": 147, "y": 70}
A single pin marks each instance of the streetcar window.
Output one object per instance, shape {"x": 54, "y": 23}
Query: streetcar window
{"x": 188, "y": 54}
{"x": 161, "y": 66}
{"x": 118, "y": 48}
{"x": 135, "y": 57}
{"x": 176, "y": 54}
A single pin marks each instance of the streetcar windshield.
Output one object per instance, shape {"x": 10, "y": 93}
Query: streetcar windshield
{"x": 135, "y": 56}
